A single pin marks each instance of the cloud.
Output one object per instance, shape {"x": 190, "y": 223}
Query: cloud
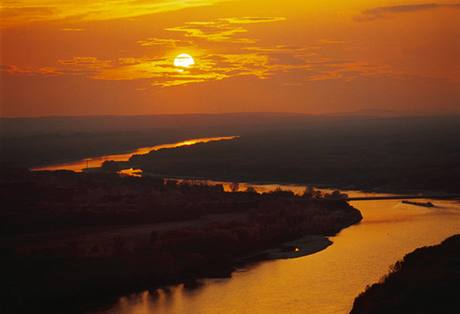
{"x": 85, "y": 66}
{"x": 164, "y": 42}
{"x": 295, "y": 64}
{"x": 72, "y": 29}
{"x": 253, "y": 19}
{"x": 348, "y": 71}
{"x": 90, "y": 63}
{"x": 19, "y": 12}
{"x": 298, "y": 65}
{"x": 213, "y": 67}
{"x": 211, "y": 31}
{"x": 30, "y": 71}
{"x": 28, "y": 11}
{"x": 224, "y": 29}
{"x": 384, "y": 12}
{"x": 12, "y": 15}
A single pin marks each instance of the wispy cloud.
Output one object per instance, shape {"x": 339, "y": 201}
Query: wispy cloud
{"x": 253, "y": 19}
{"x": 164, "y": 42}
{"x": 30, "y": 71}
{"x": 349, "y": 71}
{"x": 211, "y": 31}
{"x": 222, "y": 30}
{"x": 387, "y": 11}
{"x": 84, "y": 66}
{"x": 209, "y": 68}
{"x": 296, "y": 64}
{"x": 72, "y": 29}
{"x": 25, "y": 11}
{"x": 90, "y": 63}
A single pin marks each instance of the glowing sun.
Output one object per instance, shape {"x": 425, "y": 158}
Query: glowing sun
{"x": 184, "y": 60}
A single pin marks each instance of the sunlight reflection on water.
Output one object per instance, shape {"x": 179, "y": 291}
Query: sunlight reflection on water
{"x": 95, "y": 162}
{"x": 323, "y": 283}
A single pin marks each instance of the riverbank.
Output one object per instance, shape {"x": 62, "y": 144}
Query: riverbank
{"x": 70, "y": 272}
{"x": 95, "y": 162}
{"x": 303, "y": 246}
{"x": 322, "y": 283}
{"x": 424, "y": 282}
{"x": 353, "y": 192}
{"x": 344, "y": 158}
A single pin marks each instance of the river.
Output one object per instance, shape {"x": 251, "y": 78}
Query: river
{"x": 96, "y": 162}
{"x": 323, "y": 283}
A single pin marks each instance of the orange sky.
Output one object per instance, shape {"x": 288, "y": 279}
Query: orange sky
{"x": 62, "y": 57}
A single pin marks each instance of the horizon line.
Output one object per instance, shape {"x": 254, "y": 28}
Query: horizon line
{"x": 364, "y": 112}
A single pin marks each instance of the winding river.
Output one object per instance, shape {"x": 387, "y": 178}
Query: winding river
{"x": 96, "y": 162}
{"x": 322, "y": 283}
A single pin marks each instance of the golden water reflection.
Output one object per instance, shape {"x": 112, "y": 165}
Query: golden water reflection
{"x": 131, "y": 172}
{"x": 323, "y": 283}
{"x": 263, "y": 187}
{"x": 95, "y": 162}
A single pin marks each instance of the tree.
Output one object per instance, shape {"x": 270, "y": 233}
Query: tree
{"x": 250, "y": 189}
{"x": 234, "y": 187}
{"x": 311, "y": 193}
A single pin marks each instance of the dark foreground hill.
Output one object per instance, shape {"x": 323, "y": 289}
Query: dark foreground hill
{"x": 426, "y": 281}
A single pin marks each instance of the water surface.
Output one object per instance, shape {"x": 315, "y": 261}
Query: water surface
{"x": 323, "y": 283}
{"x": 96, "y": 162}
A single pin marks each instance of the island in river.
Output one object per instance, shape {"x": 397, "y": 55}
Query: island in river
{"x": 75, "y": 240}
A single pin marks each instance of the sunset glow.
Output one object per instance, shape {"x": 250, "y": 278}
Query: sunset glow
{"x": 96, "y": 57}
{"x": 184, "y": 60}
{"x": 230, "y": 156}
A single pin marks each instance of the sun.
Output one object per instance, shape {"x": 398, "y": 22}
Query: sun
{"x": 184, "y": 60}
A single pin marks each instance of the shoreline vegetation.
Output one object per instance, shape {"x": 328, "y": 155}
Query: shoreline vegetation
{"x": 390, "y": 192}
{"x": 424, "y": 281}
{"x": 368, "y": 153}
{"x": 361, "y": 152}
{"x": 66, "y": 237}
{"x": 303, "y": 246}
{"x": 69, "y": 236}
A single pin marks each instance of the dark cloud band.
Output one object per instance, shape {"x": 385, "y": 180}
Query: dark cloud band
{"x": 383, "y": 12}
